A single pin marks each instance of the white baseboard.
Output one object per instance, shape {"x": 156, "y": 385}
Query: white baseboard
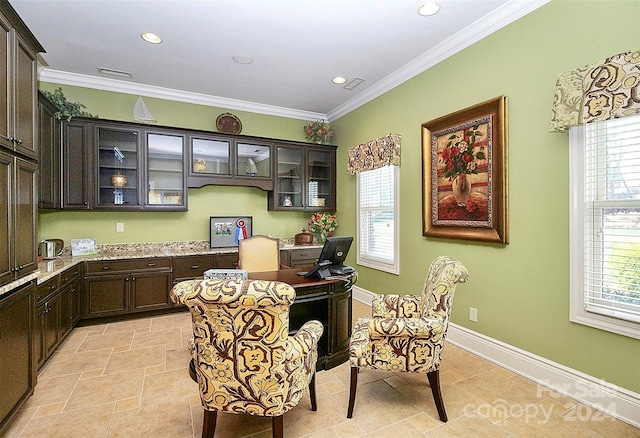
{"x": 613, "y": 400}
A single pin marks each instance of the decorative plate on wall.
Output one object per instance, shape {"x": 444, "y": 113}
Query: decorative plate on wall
{"x": 229, "y": 123}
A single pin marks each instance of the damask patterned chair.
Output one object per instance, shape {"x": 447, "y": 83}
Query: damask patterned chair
{"x": 245, "y": 361}
{"x": 407, "y": 332}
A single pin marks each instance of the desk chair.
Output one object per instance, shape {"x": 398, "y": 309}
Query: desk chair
{"x": 259, "y": 254}
{"x": 407, "y": 332}
{"x": 245, "y": 362}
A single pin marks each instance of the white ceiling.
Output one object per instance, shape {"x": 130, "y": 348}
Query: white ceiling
{"x": 297, "y": 46}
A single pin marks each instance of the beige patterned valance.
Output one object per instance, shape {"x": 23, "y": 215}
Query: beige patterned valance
{"x": 374, "y": 154}
{"x": 605, "y": 90}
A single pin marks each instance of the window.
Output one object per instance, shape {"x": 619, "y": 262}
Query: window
{"x": 605, "y": 225}
{"x": 378, "y": 218}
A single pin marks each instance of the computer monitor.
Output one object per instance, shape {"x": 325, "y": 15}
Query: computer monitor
{"x": 332, "y": 256}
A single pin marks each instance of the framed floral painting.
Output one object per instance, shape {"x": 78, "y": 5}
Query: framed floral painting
{"x": 464, "y": 174}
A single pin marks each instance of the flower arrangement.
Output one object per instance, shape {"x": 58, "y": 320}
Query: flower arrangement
{"x": 318, "y": 132}
{"x": 459, "y": 155}
{"x": 322, "y": 224}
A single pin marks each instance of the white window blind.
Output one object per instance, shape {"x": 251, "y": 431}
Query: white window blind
{"x": 609, "y": 200}
{"x": 378, "y": 218}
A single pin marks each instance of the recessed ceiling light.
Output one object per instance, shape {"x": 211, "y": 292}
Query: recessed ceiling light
{"x": 243, "y": 59}
{"x": 151, "y": 38}
{"x": 338, "y": 80}
{"x": 429, "y": 8}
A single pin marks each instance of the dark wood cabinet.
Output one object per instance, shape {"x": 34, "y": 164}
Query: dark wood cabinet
{"x": 18, "y": 256}
{"x": 76, "y": 157}
{"x": 305, "y": 178}
{"x": 150, "y": 290}
{"x": 49, "y": 164}
{"x": 18, "y": 50}
{"x": 118, "y": 287}
{"x": 122, "y": 166}
{"x": 57, "y": 311}
{"x": 190, "y": 267}
{"x": 70, "y": 293}
{"x": 17, "y": 365}
{"x": 48, "y": 327}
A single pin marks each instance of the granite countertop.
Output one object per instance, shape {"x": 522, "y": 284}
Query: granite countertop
{"x": 50, "y": 268}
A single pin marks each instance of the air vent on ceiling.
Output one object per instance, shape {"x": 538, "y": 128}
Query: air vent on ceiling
{"x": 110, "y": 71}
{"x": 354, "y": 83}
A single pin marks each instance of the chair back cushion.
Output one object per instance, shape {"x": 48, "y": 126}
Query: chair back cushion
{"x": 440, "y": 286}
{"x": 259, "y": 254}
{"x": 241, "y": 346}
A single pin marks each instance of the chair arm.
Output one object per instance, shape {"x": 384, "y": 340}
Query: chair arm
{"x": 416, "y": 328}
{"x": 395, "y": 306}
{"x": 306, "y": 339}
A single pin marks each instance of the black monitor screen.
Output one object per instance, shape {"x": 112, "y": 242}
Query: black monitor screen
{"x": 335, "y": 250}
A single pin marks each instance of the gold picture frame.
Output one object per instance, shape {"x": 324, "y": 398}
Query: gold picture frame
{"x": 464, "y": 174}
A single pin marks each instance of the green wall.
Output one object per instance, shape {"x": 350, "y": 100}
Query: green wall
{"x": 521, "y": 290}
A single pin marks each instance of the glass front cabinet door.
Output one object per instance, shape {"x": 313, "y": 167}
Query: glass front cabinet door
{"x": 288, "y": 191}
{"x": 165, "y": 172}
{"x": 118, "y": 167}
{"x": 229, "y": 161}
{"x": 139, "y": 169}
{"x": 304, "y": 179}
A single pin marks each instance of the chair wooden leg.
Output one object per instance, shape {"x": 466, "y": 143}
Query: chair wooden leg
{"x": 277, "y": 427}
{"x": 434, "y": 381}
{"x": 312, "y": 393}
{"x": 209, "y": 423}
{"x": 352, "y": 391}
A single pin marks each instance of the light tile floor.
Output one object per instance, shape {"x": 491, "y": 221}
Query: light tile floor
{"x": 130, "y": 379}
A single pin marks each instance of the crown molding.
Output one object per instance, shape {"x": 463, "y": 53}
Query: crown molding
{"x": 120, "y": 86}
{"x": 467, "y": 36}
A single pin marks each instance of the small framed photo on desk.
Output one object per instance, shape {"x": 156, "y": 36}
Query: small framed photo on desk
{"x": 227, "y": 231}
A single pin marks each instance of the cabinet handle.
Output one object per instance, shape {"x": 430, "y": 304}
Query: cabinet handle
{"x": 151, "y": 265}
{"x": 133, "y": 278}
{"x": 53, "y": 287}
{"x": 18, "y": 141}
{"x": 195, "y": 266}
{"x": 107, "y": 268}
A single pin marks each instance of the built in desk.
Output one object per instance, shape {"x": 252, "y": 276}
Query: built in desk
{"x": 328, "y": 301}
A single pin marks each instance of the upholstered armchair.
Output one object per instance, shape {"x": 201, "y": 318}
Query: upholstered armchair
{"x": 245, "y": 361}
{"x": 407, "y": 332}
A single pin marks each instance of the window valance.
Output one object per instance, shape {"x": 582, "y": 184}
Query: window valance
{"x": 605, "y": 90}
{"x": 374, "y": 154}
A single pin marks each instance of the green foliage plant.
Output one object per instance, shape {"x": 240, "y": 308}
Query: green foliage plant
{"x": 66, "y": 109}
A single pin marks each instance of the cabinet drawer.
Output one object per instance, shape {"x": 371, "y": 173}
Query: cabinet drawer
{"x": 192, "y": 266}
{"x": 47, "y": 289}
{"x": 113, "y": 266}
{"x": 69, "y": 275}
{"x": 304, "y": 257}
{"x": 227, "y": 261}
